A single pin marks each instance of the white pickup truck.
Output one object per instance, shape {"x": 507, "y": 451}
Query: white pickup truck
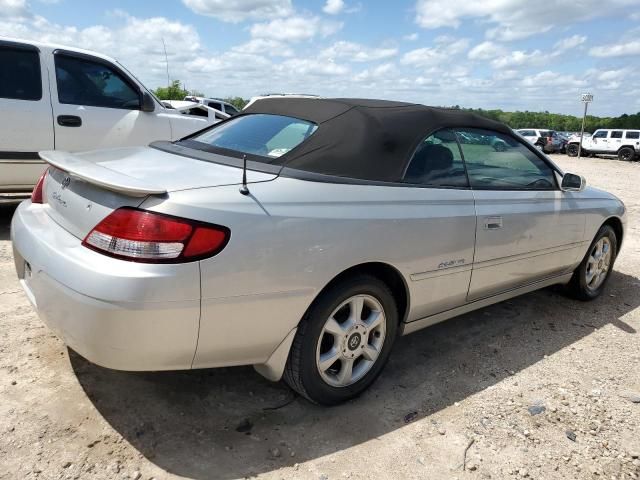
{"x": 625, "y": 144}
{"x": 61, "y": 98}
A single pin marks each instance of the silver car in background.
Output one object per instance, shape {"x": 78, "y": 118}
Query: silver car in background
{"x": 303, "y": 236}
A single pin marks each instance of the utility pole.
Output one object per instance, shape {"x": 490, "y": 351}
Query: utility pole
{"x": 587, "y": 98}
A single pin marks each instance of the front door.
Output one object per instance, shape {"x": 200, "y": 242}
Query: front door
{"x": 526, "y": 227}
{"x": 97, "y": 106}
{"x": 600, "y": 142}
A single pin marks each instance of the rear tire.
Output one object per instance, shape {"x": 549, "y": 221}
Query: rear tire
{"x": 338, "y": 353}
{"x": 591, "y": 276}
{"x": 572, "y": 149}
{"x": 626, "y": 154}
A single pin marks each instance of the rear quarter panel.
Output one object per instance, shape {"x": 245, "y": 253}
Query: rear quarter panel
{"x": 289, "y": 238}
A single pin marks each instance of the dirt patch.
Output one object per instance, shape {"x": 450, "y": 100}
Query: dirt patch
{"x": 536, "y": 387}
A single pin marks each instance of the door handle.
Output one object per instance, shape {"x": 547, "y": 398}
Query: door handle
{"x": 69, "y": 121}
{"x": 492, "y": 223}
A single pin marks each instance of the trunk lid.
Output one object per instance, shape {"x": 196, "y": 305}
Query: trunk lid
{"x": 82, "y": 189}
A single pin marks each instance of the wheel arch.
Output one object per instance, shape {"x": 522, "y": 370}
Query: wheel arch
{"x": 618, "y": 229}
{"x": 273, "y": 368}
{"x": 385, "y": 272}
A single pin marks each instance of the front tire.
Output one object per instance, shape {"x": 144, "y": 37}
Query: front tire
{"x": 343, "y": 341}
{"x": 591, "y": 276}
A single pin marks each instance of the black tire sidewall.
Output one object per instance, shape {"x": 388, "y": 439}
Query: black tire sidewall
{"x": 313, "y": 383}
{"x": 581, "y": 282}
{"x": 572, "y": 150}
{"x": 626, "y": 149}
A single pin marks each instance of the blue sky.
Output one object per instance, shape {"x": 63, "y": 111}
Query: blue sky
{"x": 509, "y": 54}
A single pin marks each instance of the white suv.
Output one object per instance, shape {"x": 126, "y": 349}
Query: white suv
{"x": 625, "y": 144}
{"x": 216, "y": 103}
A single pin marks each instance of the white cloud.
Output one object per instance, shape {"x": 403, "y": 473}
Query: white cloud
{"x": 14, "y": 8}
{"x": 624, "y": 49}
{"x": 513, "y": 19}
{"x": 569, "y": 43}
{"x": 334, "y": 7}
{"x": 443, "y": 52}
{"x": 240, "y": 10}
{"x": 552, "y": 79}
{"x": 356, "y": 52}
{"x": 294, "y": 28}
{"x": 304, "y": 66}
{"x": 519, "y": 58}
{"x": 486, "y": 51}
{"x": 412, "y": 37}
{"x": 265, "y": 46}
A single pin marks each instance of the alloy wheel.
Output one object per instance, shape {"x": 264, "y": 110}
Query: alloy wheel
{"x": 598, "y": 264}
{"x": 351, "y": 340}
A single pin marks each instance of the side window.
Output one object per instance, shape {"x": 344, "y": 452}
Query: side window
{"x": 437, "y": 162}
{"x": 231, "y": 110}
{"x": 215, "y": 105}
{"x": 600, "y": 134}
{"x": 501, "y": 162}
{"x": 83, "y": 82}
{"x": 616, "y": 134}
{"x": 527, "y": 133}
{"x": 633, "y": 135}
{"x": 20, "y": 77}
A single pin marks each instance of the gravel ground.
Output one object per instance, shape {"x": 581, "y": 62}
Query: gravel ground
{"x": 537, "y": 387}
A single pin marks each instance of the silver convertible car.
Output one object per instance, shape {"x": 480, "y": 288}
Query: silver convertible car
{"x": 302, "y": 237}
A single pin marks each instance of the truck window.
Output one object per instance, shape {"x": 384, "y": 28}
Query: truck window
{"x": 215, "y": 105}
{"x": 633, "y": 135}
{"x": 83, "y": 82}
{"x": 616, "y": 134}
{"x": 20, "y": 77}
{"x": 600, "y": 134}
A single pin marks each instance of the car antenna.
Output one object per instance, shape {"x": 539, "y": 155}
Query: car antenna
{"x": 244, "y": 190}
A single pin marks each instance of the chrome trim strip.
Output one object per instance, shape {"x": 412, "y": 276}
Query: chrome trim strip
{"x": 421, "y": 323}
{"x": 416, "y": 277}
{"x": 523, "y": 256}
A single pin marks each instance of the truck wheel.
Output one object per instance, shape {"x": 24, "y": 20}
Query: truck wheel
{"x": 572, "y": 149}
{"x": 626, "y": 153}
{"x": 343, "y": 341}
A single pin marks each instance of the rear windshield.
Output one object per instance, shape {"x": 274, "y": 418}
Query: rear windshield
{"x": 262, "y": 135}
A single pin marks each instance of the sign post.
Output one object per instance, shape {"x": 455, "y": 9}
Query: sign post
{"x": 587, "y": 98}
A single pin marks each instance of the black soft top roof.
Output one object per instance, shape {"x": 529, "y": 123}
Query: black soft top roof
{"x": 364, "y": 139}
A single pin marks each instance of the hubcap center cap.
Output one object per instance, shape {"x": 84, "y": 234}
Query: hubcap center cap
{"x": 354, "y": 341}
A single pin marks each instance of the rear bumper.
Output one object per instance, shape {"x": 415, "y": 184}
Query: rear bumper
{"x": 121, "y": 315}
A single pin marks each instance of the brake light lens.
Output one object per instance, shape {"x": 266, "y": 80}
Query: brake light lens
{"x": 143, "y": 236}
{"x": 37, "y": 194}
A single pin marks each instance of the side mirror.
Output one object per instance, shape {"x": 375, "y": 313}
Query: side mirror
{"x": 148, "y": 103}
{"x": 573, "y": 183}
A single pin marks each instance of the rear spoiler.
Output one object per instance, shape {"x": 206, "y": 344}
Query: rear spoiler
{"x": 98, "y": 175}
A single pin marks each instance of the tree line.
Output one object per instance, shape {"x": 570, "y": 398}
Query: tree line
{"x": 557, "y": 121}
{"x": 553, "y": 121}
{"x": 176, "y": 91}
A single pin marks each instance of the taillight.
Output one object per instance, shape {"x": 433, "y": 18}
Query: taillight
{"x": 37, "y": 195}
{"x": 143, "y": 236}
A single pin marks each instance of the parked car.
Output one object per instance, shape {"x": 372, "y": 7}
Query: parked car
{"x": 625, "y": 144}
{"x": 278, "y": 95}
{"x": 547, "y": 140}
{"x": 71, "y": 99}
{"x": 197, "y": 109}
{"x": 358, "y": 221}
{"x": 215, "y": 103}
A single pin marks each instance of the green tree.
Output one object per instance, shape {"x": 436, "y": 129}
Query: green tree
{"x": 175, "y": 91}
{"x": 237, "y": 102}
